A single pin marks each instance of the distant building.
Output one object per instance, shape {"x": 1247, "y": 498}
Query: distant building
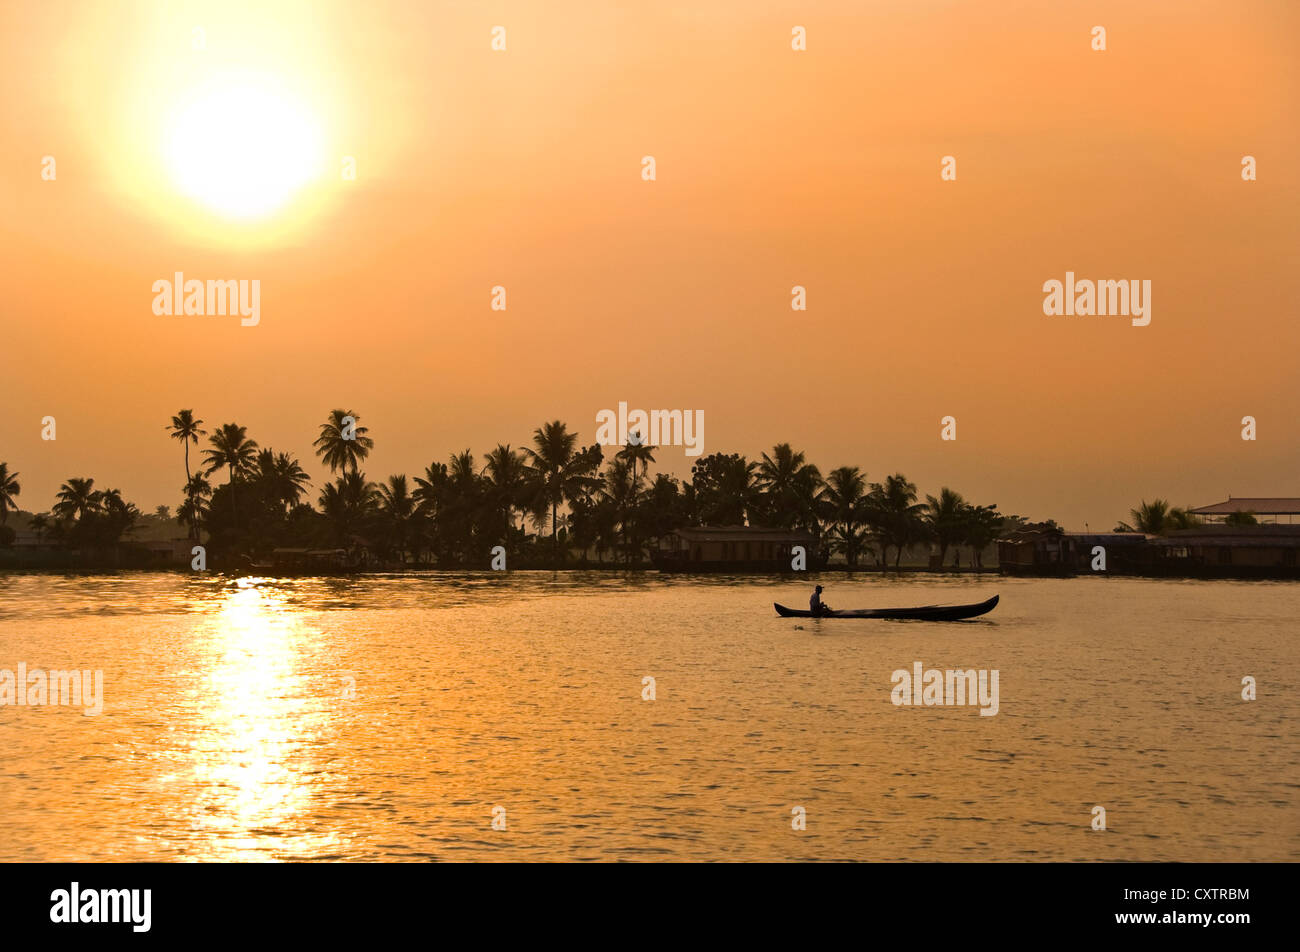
{"x": 172, "y": 552}
{"x": 1266, "y": 509}
{"x": 1267, "y": 551}
{"x": 733, "y": 549}
{"x": 1208, "y": 551}
{"x": 1042, "y": 549}
{"x": 26, "y": 540}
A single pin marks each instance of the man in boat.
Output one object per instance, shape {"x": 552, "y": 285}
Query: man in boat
{"x": 815, "y": 603}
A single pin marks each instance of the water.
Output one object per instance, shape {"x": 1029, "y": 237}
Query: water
{"x": 228, "y": 732}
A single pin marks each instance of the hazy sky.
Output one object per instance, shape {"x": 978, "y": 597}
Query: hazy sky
{"x": 522, "y": 168}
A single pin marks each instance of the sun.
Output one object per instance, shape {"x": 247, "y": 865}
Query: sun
{"x": 243, "y": 145}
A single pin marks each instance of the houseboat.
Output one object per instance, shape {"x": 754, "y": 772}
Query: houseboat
{"x": 735, "y": 549}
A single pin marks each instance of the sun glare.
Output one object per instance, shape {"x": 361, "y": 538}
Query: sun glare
{"x": 243, "y": 146}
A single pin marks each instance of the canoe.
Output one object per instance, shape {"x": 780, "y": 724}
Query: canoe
{"x": 923, "y": 613}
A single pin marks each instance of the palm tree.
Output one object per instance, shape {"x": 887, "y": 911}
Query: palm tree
{"x": 982, "y": 525}
{"x": 347, "y": 503}
{"x": 163, "y": 512}
{"x": 507, "y": 480}
{"x": 947, "y": 519}
{"x": 121, "y": 514}
{"x": 283, "y": 478}
{"x": 197, "y": 491}
{"x": 430, "y": 490}
{"x": 844, "y": 501}
{"x": 9, "y": 488}
{"x": 1150, "y": 517}
{"x": 637, "y": 452}
{"x": 232, "y": 449}
{"x": 397, "y": 506}
{"x": 789, "y": 486}
{"x": 619, "y": 491}
{"x": 186, "y": 429}
{"x": 897, "y": 515}
{"x": 339, "y": 450}
{"x": 40, "y": 525}
{"x": 76, "y": 497}
{"x": 559, "y": 472}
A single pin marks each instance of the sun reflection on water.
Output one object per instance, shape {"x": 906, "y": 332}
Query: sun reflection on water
{"x": 262, "y": 721}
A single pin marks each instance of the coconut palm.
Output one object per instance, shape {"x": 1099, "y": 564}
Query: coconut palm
{"x": 283, "y": 478}
{"x": 946, "y": 517}
{"x": 559, "y": 472}
{"x": 619, "y": 491}
{"x": 343, "y": 446}
{"x": 9, "y": 488}
{"x": 637, "y": 453}
{"x": 462, "y": 506}
{"x": 982, "y": 526}
{"x": 896, "y": 515}
{"x": 347, "y": 504}
{"x": 76, "y": 498}
{"x": 1150, "y": 517}
{"x": 789, "y": 485}
{"x": 40, "y": 525}
{"x": 197, "y": 492}
{"x": 507, "y": 480}
{"x": 429, "y": 488}
{"x": 187, "y": 429}
{"x": 397, "y": 507}
{"x": 120, "y": 514}
{"x": 232, "y": 449}
{"x": 844, "y": 502}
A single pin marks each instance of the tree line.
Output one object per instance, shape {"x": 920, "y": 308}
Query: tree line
{"x": 243, "y": 500}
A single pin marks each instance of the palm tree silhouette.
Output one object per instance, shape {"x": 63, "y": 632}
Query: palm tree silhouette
{"x": 397, "y": 506}
{"x": 506, "y": 482}
{"x": 197, "y": 491}
{"x": 232, "y": 449}
{"x": 1151, "y": 517}
{"x": 637, "y": 452}
{"x": 76, "y": 497}
{"x": 619, "y": 491}
{"x": 947, "y": 519}
{"x": 790, "y": 485}
{"x": 186, "y": 429}
{"x": 897, "y": 514}
{"x": 336, "y": 448}
{"x": 9, "y": 488}
{"x": 347, "y": 503}
{"x": 559, "y": 472}
{"x": 283, "y": 478}
{"x": 844, "y": 502}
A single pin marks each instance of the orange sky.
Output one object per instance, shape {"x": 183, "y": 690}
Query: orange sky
{"x": 775, "y": 168}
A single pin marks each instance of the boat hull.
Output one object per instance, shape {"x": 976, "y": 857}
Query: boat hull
{"x": 922, "y": 613}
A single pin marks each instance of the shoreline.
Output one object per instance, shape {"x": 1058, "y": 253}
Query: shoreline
{"x": 644, "y": 571}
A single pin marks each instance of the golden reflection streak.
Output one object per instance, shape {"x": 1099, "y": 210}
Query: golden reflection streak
{"x": 258, "y": 721}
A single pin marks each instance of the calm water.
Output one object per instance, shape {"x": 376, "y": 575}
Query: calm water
{"x": 228, "y": 732}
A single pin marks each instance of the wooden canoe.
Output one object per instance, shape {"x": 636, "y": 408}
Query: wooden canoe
{"x": 922, "y": 613}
